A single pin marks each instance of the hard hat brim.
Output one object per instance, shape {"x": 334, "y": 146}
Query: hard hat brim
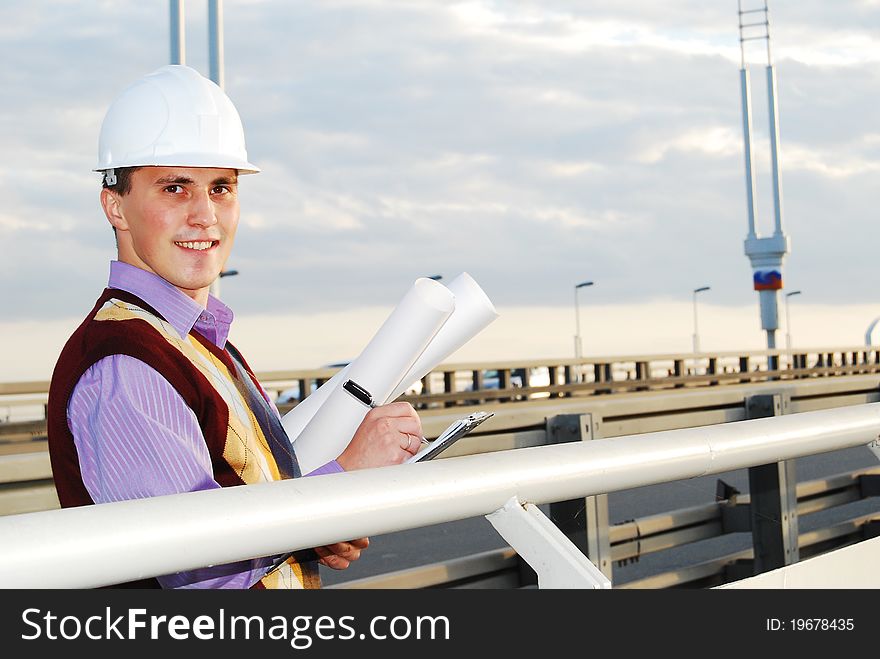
{"x": 208, "y": 161}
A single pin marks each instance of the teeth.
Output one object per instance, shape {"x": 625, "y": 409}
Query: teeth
{"x": 197, "y": 245}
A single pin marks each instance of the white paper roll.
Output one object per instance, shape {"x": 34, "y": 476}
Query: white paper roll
{"x": 473, "y": 313}
{"x": 297, "y": 418}
{"x": 379, "y": 369}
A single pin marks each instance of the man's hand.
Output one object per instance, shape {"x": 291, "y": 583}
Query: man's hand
{"x": 389, "y": 434}
{"x": 340, "y": 555}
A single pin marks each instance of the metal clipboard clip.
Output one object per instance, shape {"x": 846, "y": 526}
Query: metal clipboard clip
{"x": 456, "y": 430}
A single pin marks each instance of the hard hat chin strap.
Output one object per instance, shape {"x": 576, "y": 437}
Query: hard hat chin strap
{"x": 109, "y": 177}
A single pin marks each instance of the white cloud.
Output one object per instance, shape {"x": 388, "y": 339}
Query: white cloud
{"x": 457, "y": 160}
{"x": 333, "y": 140}
{"x": 569, "y": 169}
{"x": 515, "y": 138}
{"x": 341, "y": 213}
{"x": 16, "y": 223}
{"x": 404, "y": 208}
{"x": 575, "y": 218}
{"x": 834, "y": 48}
{"x": 831, "y": 163}
{"x": 544, "y": 28}
{"x": 552, "y": 30}
{"x": 714, "y": 141}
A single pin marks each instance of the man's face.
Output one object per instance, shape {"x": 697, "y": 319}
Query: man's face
{"x": 177, "y": 222}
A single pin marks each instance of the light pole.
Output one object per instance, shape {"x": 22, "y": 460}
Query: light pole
{"x": 788, "y": 320}
{"x": 696, "y": 332}
{"x": 577, "y": 325}
{"x": 215, "y": 285}
{"x": 870, "y": 329}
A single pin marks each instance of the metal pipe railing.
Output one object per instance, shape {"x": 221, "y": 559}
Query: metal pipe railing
{"x": 111, "y": 543}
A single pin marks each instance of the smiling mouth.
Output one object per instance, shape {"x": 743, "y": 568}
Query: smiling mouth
{"x": 197, "y": 245}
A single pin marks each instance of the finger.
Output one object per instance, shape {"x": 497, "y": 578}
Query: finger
{"x": 360, "y": 543}
{"x": 344, "y": 550}
{"x": 380, "y": 418}
{"x": 413, "y": 444}
{"x": 401, "y": 409}
{"x": 336, "y": 549}
{"x": 335, "y": 562}
{"x": 408, "y": 426}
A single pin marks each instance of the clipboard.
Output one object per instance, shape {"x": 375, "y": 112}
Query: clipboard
{"x": 456, "y": 430}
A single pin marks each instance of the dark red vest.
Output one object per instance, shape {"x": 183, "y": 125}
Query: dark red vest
{"x": 94, "y": 340}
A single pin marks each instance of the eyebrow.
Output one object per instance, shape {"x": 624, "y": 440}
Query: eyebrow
{"x": 176, "y": 179}
{"x": 225, "y": 180}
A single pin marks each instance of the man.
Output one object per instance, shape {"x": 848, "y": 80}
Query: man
{"x": 148, "y": 398}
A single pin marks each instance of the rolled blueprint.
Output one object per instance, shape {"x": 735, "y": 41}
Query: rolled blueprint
{"x": 297, "y": 418}
{"x": 473, "y": 313}
{"x": 379, "y": 369}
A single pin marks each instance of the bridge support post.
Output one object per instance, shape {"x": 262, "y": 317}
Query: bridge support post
{"x": 556, "y": 561}
{"x": 744, "y": 368}
{"x": 583, "y": 521}
{"x": 679, "y": 371}
{"x": 553, "y": 373}
{"x": 773, "y": 494}
{"x": 448, "y": 386}
{"x": 570, "y": 377}
{"x": 643, "y": 373}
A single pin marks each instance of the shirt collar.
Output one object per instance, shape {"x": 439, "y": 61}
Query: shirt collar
{"x": 182, "y": 312}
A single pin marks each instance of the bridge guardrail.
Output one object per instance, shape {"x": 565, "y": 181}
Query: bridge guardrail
{"x": 637, "y": 538}
{"x": 451, "y": 384}
{"x": 25, "y": 480}
{"x": 479, "y": 483}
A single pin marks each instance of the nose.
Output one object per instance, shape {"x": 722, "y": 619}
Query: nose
{"x": 201, "y": 211}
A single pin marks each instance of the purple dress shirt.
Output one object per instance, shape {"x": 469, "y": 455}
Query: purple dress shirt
{"x": 157, "y": 445}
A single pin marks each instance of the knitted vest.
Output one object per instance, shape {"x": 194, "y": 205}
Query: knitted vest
{"x": 245, "y": 440}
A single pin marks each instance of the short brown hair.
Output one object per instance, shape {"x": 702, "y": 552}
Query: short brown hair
{"x": 123, "y": 180}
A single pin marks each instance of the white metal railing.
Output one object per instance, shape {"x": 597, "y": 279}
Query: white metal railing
{"x": 112, "y": 543}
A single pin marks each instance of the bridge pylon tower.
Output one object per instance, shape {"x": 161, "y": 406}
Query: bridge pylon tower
{"x": 766, "y": 254}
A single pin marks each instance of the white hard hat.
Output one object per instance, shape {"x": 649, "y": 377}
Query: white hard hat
{"x": 173, "y": 117}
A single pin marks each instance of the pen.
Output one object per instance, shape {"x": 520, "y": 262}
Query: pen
{"x": 359, "y": 392}
{"x": 364, "y": 396}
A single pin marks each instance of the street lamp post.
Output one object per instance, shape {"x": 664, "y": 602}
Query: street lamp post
{"x": 788, "y": 320}
{"x": 578, "y": 351}
{"x": 215, "y": 285}
{"x": 696, "y": 332}
{"x": 869, "y": 330}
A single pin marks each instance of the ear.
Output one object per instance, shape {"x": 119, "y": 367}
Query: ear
{"x": 111, "y": 202}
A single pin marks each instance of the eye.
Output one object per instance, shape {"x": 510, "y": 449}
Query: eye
{"x": 220, "y": 189}
{"x": 174, "y": 188}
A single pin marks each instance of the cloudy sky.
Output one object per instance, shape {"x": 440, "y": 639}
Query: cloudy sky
{"x": 531, "y": 144}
